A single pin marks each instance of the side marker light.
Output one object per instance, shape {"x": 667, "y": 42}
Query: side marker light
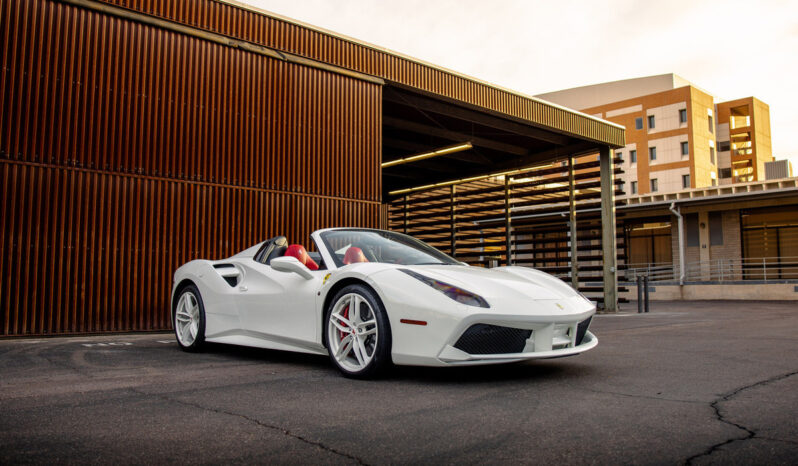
{"x": 413, "y": 322}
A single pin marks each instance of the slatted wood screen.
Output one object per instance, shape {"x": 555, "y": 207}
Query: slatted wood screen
{"x": 468, "y": 221}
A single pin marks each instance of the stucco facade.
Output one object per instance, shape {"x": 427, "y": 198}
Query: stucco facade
{"x": 677, "y": 136}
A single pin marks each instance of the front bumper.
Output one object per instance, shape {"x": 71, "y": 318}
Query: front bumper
{"x": 548, "y": 327}
{"x": 453, "y": 356}
{"x": 442, "y": 342}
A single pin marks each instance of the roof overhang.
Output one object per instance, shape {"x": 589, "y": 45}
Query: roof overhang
{"x": 419, "y": 124}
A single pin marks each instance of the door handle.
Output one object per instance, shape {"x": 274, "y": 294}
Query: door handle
{"x": 242, "y": 288}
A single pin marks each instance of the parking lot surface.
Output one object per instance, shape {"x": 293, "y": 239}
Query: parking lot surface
{"x": 695, "y": 383}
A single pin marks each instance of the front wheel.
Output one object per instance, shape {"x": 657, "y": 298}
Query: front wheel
{"x": 189, "y": 319}
{"x": 358, "y": 332}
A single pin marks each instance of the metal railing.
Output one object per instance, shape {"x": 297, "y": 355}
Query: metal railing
{"x": 655, "y": 271}
{"x": 764, "y": 269}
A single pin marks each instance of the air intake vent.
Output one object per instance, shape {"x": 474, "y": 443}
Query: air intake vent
{"x": 581, "y": 329}
{"x": 229, "y": 273}
{"x": 492, "y": 339}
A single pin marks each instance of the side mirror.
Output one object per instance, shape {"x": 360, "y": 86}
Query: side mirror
{"x": 291, "y": 264}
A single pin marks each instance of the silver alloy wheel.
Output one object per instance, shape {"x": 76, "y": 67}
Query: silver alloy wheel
{"x": 187, "y": 319}
{"x": 352, "y": 332}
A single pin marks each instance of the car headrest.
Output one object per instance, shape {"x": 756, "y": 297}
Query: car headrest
{"x": 298, "y": 251}
{"x": 354, "y": 255}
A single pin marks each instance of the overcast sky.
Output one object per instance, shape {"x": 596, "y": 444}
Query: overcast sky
{"x": 731, "y": 49}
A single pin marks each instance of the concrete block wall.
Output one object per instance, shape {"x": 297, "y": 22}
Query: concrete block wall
{"x": 731, "y": 248}
{"x": 731, "y": 291}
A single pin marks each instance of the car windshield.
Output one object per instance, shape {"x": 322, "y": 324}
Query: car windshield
{"x": 349, "y": 246}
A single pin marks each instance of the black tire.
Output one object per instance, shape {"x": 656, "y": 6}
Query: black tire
{"x": 198, "y": 341}
{"x": 381, "y": 355}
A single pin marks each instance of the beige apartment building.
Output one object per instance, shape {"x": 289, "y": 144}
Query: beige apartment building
{"x": 677, "y": 136}
{"x": 743, "y": 140}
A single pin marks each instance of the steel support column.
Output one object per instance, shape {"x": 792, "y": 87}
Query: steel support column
{"x": 404, "y": 223}
{"x": 507, "y": 226}
{"x": 608, "y": 246}
{"x": 452, "y": 216}
{"x": 572, "y": 224}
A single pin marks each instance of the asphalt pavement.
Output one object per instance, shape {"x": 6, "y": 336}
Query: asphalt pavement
{"x": 694, "y": 383}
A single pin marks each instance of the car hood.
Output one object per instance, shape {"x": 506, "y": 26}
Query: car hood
{"x": 503, "y": 282}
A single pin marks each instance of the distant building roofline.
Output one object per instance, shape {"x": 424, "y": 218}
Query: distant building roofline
{"x": 594, "y": 95}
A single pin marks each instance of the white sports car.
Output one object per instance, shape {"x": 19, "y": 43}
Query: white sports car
{"x": 370, "y": 298}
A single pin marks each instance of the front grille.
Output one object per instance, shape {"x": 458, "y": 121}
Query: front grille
{"x": 581, "y": 329}
{"x": 492, "y": 339}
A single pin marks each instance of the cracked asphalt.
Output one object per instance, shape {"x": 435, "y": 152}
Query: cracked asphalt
{"x": 688, "y": 383}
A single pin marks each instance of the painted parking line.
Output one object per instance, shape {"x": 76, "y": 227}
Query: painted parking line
{"x": 106, "y": 344}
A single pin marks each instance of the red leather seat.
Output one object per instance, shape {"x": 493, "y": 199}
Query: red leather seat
{"x": 354, "y": 255}
{"x": 298, "y": 251}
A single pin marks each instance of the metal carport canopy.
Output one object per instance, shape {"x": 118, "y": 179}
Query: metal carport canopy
{"x": 430, "y": 140}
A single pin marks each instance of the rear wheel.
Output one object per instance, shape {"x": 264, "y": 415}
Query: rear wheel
{"x": 189, "y": 319}
{"x": 358, "y": 332}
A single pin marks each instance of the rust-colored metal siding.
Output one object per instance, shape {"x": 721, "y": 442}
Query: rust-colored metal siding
{"x": 89, "y": 90}
{"x": 126, "y": 150}
{"x": 256, "y": 27}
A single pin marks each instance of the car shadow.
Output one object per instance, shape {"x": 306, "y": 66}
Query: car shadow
{"x": 248, "y": 353}
{"x": 539, "y": 370}
{"x": 531, "y": 371}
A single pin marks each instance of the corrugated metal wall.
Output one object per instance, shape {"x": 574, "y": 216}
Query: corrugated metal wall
{"x": 126, "y": 150}
{"x": 244, "y": 24}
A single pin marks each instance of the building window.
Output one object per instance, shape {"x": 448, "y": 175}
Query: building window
{"x": 632, "y": 156}
{"x": 648, "y": 241}
{"x": 654, "y": 185}
{"x": 724, "y": 146}
{"x": 651, "y": 122}
{"x": 724, "y": 173}
{"x": 685, "y": 148}
{"x": 633, "y": 187}
{"x": 683, "y": 115}
{"x": 712, "y": 155}
{"x": 691, "y": 230}
{"x": 769, "y": 232}
{"x": 638, "y": 123}
{"x": 711, "y": 124}
{"x": 619, "y": 155}
{"x": 686, "y": 181}
{"x": 715, "y": 229}
{"x": 652, "y": 153}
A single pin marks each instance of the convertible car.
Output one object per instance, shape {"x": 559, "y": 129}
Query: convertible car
{"x": 370, "y": 298}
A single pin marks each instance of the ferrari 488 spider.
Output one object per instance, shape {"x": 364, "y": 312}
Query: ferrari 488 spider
{"x": 369, "y": 298}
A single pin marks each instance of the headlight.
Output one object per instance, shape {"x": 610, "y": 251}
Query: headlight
{"x": 458, "y": 294}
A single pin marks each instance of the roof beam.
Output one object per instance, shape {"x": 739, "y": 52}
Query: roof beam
{"x": 514, "y": 164}
{"x": 453, "y": 136}
{"x": 444, "y": 108}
